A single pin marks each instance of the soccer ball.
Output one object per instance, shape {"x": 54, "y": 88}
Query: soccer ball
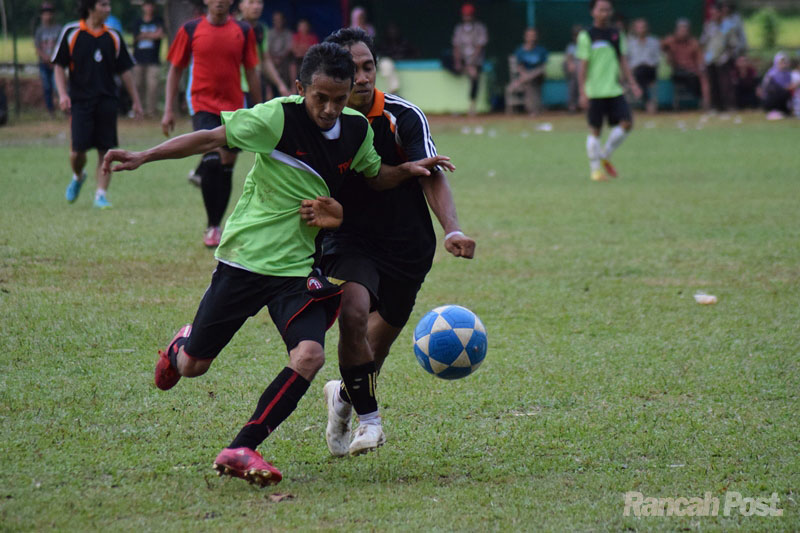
{"x": 450, "y": 342}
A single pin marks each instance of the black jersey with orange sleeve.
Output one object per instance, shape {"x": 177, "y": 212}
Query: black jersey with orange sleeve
{"x": 93, "y": 58}
{"x": 393, "y": 227}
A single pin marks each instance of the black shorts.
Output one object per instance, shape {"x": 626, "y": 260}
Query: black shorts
{"x": 615, "y": 109}
{"x": 203, "y": 120}
{"x": 94, "y": 124}
{"x": 645, "y": 75}
{"x": 301, "y": 308}
{"x": 393, "y": 298}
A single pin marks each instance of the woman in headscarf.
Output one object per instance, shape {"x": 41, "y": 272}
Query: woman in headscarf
{"x": 776, "y": 87}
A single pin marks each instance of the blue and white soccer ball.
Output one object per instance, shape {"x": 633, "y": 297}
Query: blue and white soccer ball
{"x": 450, "y": 342}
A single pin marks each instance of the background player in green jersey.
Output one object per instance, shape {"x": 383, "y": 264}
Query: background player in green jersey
{"x": 601, "y": 50}
{"x": 306, "y": 146}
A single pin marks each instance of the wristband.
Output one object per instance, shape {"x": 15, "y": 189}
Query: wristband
{"x": 453, "y": 234}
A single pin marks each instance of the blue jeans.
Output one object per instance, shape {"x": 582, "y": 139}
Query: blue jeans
{"x": 46, "y": 73}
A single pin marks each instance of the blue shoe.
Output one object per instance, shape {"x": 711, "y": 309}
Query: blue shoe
{"x": 74, "y": 188}
{"x": 101, "y": 202}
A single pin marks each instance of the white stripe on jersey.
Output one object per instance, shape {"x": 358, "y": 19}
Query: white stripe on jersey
{"x": 64, "y": 30}
{"x": 430, "y": 148}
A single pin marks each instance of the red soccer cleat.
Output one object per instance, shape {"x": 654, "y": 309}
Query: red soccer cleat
{"x": 610, "y": 170}
{"x": 167, "y": 376}
{"x": 246, "y": 464}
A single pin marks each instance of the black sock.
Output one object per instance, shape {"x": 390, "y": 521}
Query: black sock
{"x": 343, "y": 393}
{"x": 174, "y": 348}
{"x": 278, "y": 401}
{"x": 212, "y": 186}
{"x": 360, "y": 383}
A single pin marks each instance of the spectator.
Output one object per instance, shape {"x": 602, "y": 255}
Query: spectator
{"x": 796, "y": 86}
{"x": 469, "y": 41}
{"x": 745, "y": 83}
{"x": 732, "y": 24}
{"x": 392, "y": 44}
{"x": 358, "y": 19}
{"x": 776, "y": 87}
{"x": 45, "y": 39}
{"x": 147, "y": 34}
{"x": 571, "y": 70}
{"x": 303, "y": 39}
{"x": 718, "y": 55}
{"x": 685, "y": 57}
{"x": 250, "y": 11}
{"x": 644, "y": 54}
{"x": 531, "y": 61}
{"x": 279, "y": 48}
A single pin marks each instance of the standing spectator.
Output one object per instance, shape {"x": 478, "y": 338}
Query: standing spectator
{"x": 93, "y": 53}
{"x": 303, "y": 39}
{"x": 279, "y": 49}
{"x": 469, "y": 41}
{"x": 571, "y": 70}
{"x": 393, "y": 44}
{"x": 685, "y": 57}
{"x": 45, "y": 39}
{"x": 147, "y": 34}
{"x": 531, "y": 61}
{"x": 358, "y": 19}
{"x": 745, "y": 83}
{"x": 215, "y": 47}
{"x": 718, "y": 55}
{"x": 601, "y": 51}
{"x": 776, "y": 87}
{"x": 644, "y": 54}
{"x": 250, "y": 11}
{"x": 732, "y": 24}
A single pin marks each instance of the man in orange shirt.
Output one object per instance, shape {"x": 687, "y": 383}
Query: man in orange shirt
{"x": 214, "y": 48}
{"x": 686, "y": 59}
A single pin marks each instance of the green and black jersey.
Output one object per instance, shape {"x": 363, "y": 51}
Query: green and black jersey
{"x": 295, "y": 160}
{"x": 602, "y": 48}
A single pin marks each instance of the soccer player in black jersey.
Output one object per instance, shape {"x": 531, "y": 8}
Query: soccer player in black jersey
{"x": 383, "y": 250}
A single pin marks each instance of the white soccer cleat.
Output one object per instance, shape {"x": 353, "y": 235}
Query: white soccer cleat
{"x": 337, "y": 434}
{"x": 368, "y": 437}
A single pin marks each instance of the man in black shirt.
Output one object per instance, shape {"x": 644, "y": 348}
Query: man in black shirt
{"x": 383, "y": 250}
{"x": 147, "y": 34}
{"x": 93, "y": 53}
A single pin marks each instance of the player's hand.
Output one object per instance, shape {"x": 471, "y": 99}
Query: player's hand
{"x": 128, "y": 160}
{"x": 583, "y": 101}
{"x": 636, "y": 90}
{"x": 138, "y": 112}
{"x": 65, "y": 103}
{"x": 423, "y": 167}
{"x": 167, "y": 123}
{"x": 460, "y": 246}
{"x": 324, "y": 212}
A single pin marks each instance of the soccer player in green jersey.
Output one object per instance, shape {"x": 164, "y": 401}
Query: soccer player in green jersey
{"x": 601, "y": 51}
{"x": 306, "y": 146}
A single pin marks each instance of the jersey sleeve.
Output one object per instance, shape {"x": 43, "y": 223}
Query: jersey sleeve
{"x": 124, "y": 61}
{"x": 257, "y": 129}
{"x": 415, "y": 134}
{"x": 584, "y": 46}
{"x": 250, "y": 59}
{"x": 367, "y": 161}
{"x": 61, "y": 56}
{"x": 180, "y": 52}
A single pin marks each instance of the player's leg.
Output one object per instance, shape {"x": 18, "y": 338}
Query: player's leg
{"x": 620, "y": 120}
{"x": 81, "y": 129}
{"x": 594, "y": 150}
{"x": 216, "y": 184}
{"x": 105, "y": 138}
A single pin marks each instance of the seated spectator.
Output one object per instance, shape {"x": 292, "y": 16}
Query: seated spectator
{"x": 644, "y": 53}
{"x": 745, "y": 83}
{"x": 686, "y": 60}
{"x": 531, "y": 61}
{"x": 571, "y": 70}
{"x": 303, "y": 39}
{"x": 776, "y": 87}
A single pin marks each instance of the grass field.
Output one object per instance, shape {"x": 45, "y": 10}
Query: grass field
{"x": 603, "y": 375}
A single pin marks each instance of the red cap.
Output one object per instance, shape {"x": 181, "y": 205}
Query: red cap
{"x": 467, "y": 10}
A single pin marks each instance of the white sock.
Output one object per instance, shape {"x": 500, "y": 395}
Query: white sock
{"x": 370, "y": 418}
{"x": 75, "y": 177}
{"x": 99, "y": 193}
{"x": 614, "y": 140}
{"x": 593, "y": 151}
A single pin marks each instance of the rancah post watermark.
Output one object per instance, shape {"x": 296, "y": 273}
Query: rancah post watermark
{"x": 637, "y": 504}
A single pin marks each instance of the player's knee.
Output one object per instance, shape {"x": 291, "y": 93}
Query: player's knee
{"x": 353, "y": 321}
{"x": 307, "y": 358}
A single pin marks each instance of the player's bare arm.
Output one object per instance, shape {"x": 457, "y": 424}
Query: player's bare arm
{"x": 254, "y": 82}
{"x": 626, "y": 70}
{"x": 198, "y": 142}
{"x": 64, "y": 101}
{"x": 173, "y": 78}
{"x": 324, "y": 212}
{"x": 130, "y": 86}
{"x": 583, "y": 67}
{"x": 390, "y": 177}
{"x": 440, "y": 198}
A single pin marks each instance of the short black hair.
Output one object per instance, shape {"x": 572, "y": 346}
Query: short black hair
{"x": 594, "y": 3}
{"x": 84, "y": 6}
{"x": 347, "y": 37}
{"x": 329, "y": 59}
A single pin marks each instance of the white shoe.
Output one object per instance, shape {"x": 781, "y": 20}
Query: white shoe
{"x": 368, "y": 437}
{"x": 337, "y": 434}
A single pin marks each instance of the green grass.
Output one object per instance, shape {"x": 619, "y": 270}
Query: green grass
{"x": 603, "y": 375}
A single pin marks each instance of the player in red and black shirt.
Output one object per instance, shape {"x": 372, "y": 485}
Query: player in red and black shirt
{"x": 383, "y": 250}
{"x": 93, "y": 53}
{"x": 214, "y": 48}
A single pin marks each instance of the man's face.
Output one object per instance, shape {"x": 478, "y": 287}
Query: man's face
{"x": 682, "y": 31}
{"x": 602, "y": 12}
{"x": 101, "y": 10}
{"x": 47, "y": 17}
{"x": 640, "y": 28}
{"x": 364, "y": 85}
{"x": 218, "y": 8}
{"x": 277, "y": 20}
{"x": 148, "y": 9}
{"x": 324, "y": 98}
{"x": 530, "y": 36}
{"x": 251, "y": 9}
